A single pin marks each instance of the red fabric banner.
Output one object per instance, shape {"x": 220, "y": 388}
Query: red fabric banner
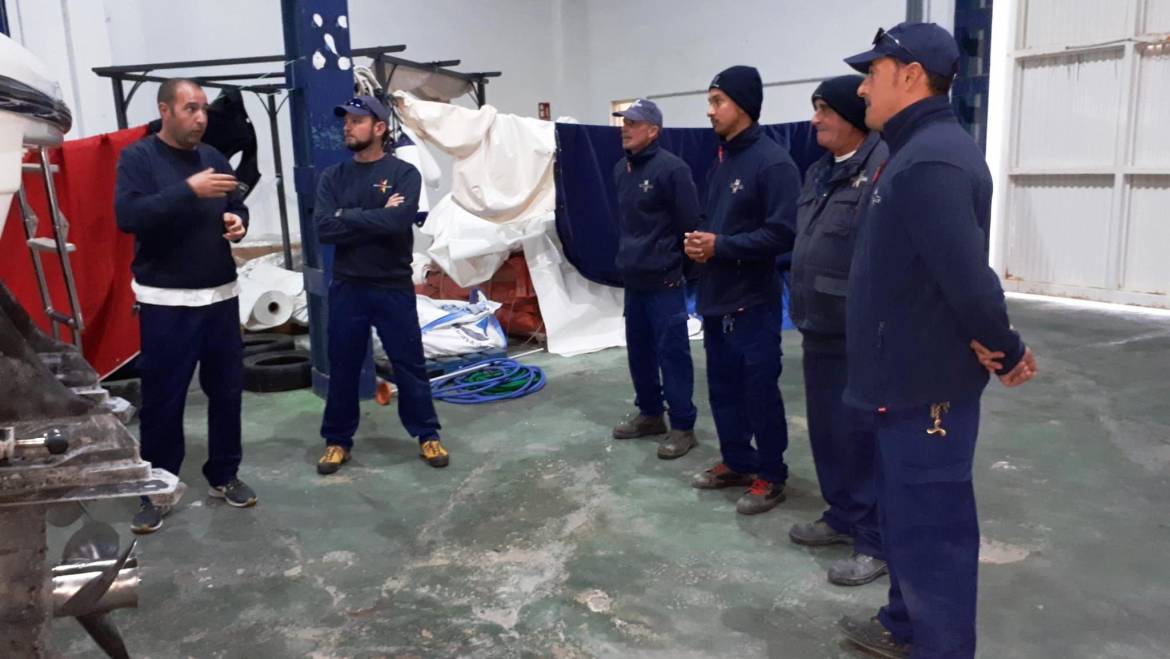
{"x": 101, "y": 264}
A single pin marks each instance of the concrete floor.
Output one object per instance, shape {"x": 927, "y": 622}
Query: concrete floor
{"x": 545, "y": 538}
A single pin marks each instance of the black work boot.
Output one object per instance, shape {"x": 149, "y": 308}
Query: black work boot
{"x": 817, "y": 534}
{"x": 638, "y": 425}
{"x": 871, "y": 635}
{"x": 857, "y": 570}
{"x": 677, "y": 444}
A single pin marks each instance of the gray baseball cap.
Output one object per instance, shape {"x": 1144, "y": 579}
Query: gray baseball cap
{"x": 642, "y": 110}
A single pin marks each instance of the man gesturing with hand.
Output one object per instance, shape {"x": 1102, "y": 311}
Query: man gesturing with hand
{"x": 177, "y": 197}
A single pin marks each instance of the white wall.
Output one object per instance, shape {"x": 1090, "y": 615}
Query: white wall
{"x": 578, "y": 55}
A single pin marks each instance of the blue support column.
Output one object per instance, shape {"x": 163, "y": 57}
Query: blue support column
{"x": 320, "y": 76}
{"x": 970, "y": 90}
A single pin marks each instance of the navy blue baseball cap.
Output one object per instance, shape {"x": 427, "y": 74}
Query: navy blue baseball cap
{"x": 363, "y": 106}
{"x": 642, "y": 110}
{"x": 926, "y": 43}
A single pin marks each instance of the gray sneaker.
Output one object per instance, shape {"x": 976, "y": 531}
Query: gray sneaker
{"x": 677, "y": 444}
{"x": 871, "y": 635}
{"x": 235, "y": 493}
{"x": 149, "y": 517}
{"x": 761, "y": 497}
{"x": 637, "y": 425}
{"x": 857, "y": 570}
{"x": 817, "y": 534}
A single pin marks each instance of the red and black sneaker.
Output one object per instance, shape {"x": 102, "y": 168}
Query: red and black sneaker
{"x": 719, "y": 477}
{"x": 761, "y": 497}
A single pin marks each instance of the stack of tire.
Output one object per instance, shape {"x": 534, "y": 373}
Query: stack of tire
{"x": 272, "y": 363}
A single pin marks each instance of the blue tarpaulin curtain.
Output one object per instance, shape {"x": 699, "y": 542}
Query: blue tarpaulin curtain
{"x": 587, "y": 200}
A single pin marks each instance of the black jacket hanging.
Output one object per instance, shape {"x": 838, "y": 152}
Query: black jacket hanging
{"x": 230, "y": 131}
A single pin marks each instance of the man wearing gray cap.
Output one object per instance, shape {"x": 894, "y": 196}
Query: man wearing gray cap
{"x": 657, "y": 205}
{"x": 926, "y": 322}
{"x": 366, "y": 207}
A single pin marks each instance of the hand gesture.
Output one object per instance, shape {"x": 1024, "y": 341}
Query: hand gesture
{"x": 233, "y": 226}
{"x": 207, "y": 184}
{"x": 395, "y": 200}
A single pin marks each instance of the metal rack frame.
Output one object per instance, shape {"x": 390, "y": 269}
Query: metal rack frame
{"x": 383, "y": 60}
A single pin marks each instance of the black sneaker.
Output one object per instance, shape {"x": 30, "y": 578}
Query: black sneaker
{"x": 637, "y": 425}
{"x": 235, "y": 493}
{"x": 871, "y": 635}
{"x": 149, "y": 517}
{"x": 761, "y": 497}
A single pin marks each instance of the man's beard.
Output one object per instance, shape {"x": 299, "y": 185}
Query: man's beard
{"x": 356, "y": 146}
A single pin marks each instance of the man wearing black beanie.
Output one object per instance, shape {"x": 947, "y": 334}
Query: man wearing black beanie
{"x": 749, "y": 222}
{"x": 842, "y": 438}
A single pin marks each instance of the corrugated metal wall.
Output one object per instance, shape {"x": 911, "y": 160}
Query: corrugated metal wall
{"x": 1087, "y": 211}
{"x": 1152, "y": 140}
{"x": 1147, "y": 262}
{"x": 1061, "y": 22}
{"x": 1069, "y": 109}
{"x": 1057, "y": 233}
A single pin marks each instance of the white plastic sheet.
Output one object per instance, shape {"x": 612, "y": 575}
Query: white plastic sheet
{"x": 503, "y": 199}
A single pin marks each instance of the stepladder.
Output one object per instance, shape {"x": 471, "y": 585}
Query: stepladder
{"x": 56, "y": 243}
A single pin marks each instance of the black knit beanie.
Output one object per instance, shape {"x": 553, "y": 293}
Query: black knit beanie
{"x": 840, "y": 93}
{"x": 743, "y": 85}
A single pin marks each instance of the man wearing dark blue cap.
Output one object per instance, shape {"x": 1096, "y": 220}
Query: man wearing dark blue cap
{"x": 366, "y": 208}
{"x": 657, "y": 205}
{"x": 749, "y": 222}
{"x": 827, "y": 219}
{"x": 921, "y": 300}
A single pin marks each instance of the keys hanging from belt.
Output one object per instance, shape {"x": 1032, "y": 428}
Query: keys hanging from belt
{"x": 936, "y": 412}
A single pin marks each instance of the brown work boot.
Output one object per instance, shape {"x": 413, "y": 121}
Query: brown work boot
{"x": 334, "y": 457}
{"x": 639, "y": 425}
{"x": 719, "y": 477}
{"x": 677, "y": 444}
{"x": 434, "y": 454}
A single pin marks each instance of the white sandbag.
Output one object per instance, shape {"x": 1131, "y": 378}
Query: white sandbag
{"x": 454, "y": 327}
{"x": 457, "y": 327}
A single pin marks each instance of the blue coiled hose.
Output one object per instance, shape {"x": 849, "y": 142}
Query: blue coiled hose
{"x": 494, "y": 380}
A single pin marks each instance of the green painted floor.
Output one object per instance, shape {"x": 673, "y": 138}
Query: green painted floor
{"x": 546, "y": 538}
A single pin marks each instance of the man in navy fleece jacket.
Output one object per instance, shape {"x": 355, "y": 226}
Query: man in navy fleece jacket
{"x": 921, "y": 298}
{"x": 750, "y": 221}
{"x": 657, "y": 204}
